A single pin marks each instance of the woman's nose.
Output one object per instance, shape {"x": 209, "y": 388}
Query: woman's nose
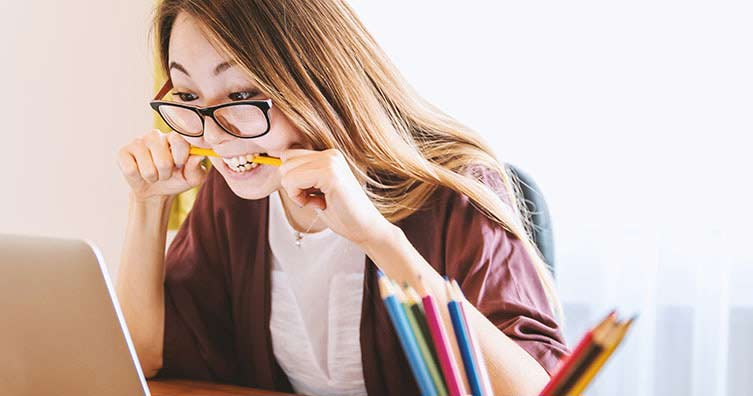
{"x": 213, "y": 133}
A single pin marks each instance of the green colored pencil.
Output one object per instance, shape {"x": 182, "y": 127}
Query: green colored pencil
{"x": 423, "y": 346}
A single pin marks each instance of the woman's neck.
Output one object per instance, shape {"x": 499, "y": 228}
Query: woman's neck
{"x": 301, "y": 219}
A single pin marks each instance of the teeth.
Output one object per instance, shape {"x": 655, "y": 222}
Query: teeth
{"x": 241, "y": 163}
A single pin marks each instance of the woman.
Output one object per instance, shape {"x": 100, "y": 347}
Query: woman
{"x": 270, "y": 281}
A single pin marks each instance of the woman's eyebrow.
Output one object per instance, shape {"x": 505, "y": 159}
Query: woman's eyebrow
{"x": 217, "y": 70}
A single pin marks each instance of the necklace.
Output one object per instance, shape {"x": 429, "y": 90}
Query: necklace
{"x": 299, "y": 235}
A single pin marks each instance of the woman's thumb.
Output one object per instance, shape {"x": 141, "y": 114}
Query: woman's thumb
{"x": 193, "y": 171}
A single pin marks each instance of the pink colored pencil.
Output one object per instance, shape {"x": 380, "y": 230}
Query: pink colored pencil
{"x": 442, "y": 345}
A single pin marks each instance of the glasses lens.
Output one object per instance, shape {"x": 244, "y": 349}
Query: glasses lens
{"x": 182, "y": 120}
{"x": 242, "y": 119}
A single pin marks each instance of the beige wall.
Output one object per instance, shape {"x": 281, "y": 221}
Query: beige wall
{"x": 75, "y": 78}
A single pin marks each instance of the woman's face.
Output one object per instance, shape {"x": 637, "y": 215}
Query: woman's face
{"x": 201, "y": 76}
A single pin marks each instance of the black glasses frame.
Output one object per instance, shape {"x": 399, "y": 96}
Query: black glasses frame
{"x": 203, "y": 112}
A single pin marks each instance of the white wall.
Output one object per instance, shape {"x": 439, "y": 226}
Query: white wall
{"x": 76, "y": 79}
{"x": 631, "y": 114}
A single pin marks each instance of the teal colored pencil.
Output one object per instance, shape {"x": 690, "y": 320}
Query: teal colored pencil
{"x": 406, "y": 337}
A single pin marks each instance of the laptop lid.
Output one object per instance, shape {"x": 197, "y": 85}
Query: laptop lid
{"x": 61, "y": 328}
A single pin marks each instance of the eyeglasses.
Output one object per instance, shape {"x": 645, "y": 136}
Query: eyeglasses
{"x": 245, "y": 119}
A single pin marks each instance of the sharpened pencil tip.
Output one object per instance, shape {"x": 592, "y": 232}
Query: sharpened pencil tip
{"x": 448, "y": 289}
{"x": 412, "y": 295}
{"x": 385, "y": 289}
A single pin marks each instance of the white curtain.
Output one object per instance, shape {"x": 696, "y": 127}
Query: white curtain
{"x": 694, "y": 295}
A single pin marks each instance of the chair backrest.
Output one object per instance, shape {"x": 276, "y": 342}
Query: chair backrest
{"x": 538, "y": 214}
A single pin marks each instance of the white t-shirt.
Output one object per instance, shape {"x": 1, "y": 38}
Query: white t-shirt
{"x": 317, "y": 289}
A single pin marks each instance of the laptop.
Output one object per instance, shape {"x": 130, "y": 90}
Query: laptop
{"x": 61, "y": 329}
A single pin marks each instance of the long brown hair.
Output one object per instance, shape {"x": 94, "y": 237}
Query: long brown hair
{"x": 327, "y": 74}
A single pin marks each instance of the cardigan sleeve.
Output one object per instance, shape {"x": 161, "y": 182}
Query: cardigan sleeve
{"x": 198, "y": 338}
{"x": 498, "y": 276}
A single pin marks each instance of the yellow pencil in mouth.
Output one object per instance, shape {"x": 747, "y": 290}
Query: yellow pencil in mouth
{"x": 259, "y": 159}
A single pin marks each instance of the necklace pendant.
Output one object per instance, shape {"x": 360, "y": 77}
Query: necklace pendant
{"x": 298, "y": 238}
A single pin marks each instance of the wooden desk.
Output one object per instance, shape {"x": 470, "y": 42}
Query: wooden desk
{"x": 173, "y": 387}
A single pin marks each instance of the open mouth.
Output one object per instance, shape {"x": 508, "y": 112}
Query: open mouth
{"x": 242, "y": 163}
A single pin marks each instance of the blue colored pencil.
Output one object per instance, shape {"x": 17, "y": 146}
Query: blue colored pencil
{"x": 482, "y": 370}
{"x": 406, "y": 337}
{"x": 464, "y": 344}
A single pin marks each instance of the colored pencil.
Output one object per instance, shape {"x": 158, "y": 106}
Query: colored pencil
{"x": 590, "y": 354}
{"x": 259, "y": 159}
{"x": 483, "y": 372}
{"x": 463, "y": 341}
{"x": 418, "y": 313}
{"x": 406, "y": 337}
{"x": 612, "y": 342}
{"x": 202, "y": 151}
{"x": 449, "y": 365}
{"x": 566, "y": 367}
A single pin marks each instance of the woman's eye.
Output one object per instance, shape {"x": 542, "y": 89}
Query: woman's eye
{"x": 185, "y": 97}
{"x": 246, "y": 95}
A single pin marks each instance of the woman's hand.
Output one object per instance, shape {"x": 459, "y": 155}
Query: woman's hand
{"x": 158, "y": 165}
{"x": 344, "y": 205}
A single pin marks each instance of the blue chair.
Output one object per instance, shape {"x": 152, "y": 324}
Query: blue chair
{"x": 539, "y": 219}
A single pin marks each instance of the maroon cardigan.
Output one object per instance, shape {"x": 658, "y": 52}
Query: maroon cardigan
{"x": 217, "y": 291}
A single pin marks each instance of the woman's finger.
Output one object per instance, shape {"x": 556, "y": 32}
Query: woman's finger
{"x": 144, "y": 161}
{"x": 307, "y": 181}
{"x": 315, "y": 201}
{"x": 301, "y": 158}
{"x": 294, "y": 153}
{"x": 129, "y": 167}
{"x": 179, "y": 148}
{"x": 161, "y": 155}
